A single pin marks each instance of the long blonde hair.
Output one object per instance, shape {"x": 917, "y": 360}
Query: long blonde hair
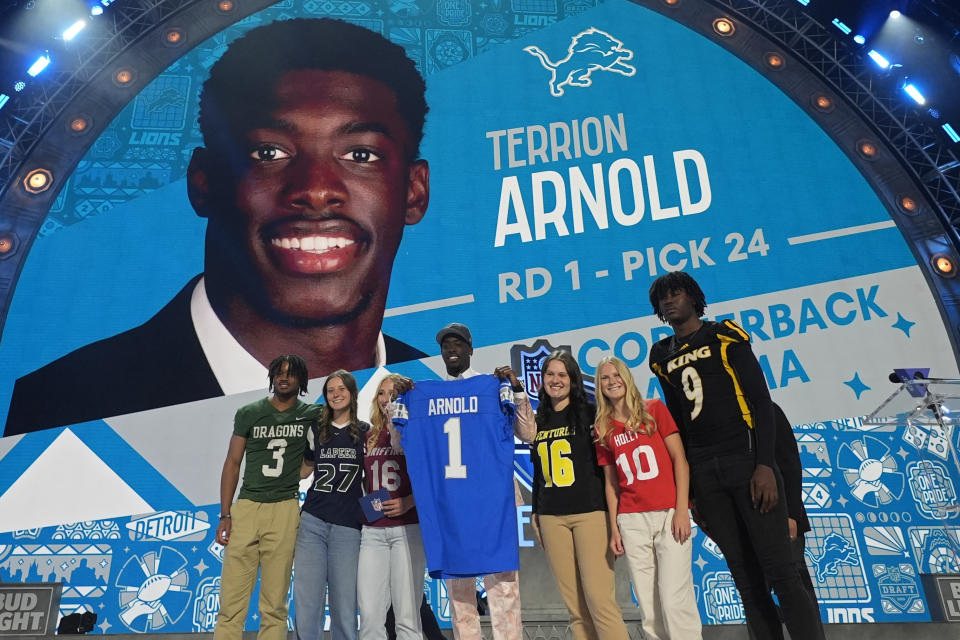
{"x": 638, "y": 418}
{"x": 377, "y": 418}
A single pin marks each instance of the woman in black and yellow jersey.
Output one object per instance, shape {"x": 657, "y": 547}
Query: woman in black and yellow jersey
{"x": 569, "y": 507}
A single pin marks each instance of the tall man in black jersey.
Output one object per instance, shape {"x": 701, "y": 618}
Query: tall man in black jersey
{"x": 715, "y": 389}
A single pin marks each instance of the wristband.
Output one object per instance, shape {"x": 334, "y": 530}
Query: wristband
{"x": 518, "y": 388}
{"x": 222, "y": 516}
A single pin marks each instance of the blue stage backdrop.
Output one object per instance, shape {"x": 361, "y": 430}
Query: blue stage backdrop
{"x": 560, "y": 188}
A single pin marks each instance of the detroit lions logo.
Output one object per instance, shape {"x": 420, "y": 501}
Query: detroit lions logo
{"x": 589, "y": 51}
{"x": 837, "y": 550}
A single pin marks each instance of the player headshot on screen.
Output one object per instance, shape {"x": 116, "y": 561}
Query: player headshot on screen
{"x": 309, "y": 173}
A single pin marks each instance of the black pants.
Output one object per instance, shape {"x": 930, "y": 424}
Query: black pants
{"x": 757, "y": 548}
{"x": 771, "y": 613}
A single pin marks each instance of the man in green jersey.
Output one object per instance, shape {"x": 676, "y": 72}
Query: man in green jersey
{"x": 259, "y": 531}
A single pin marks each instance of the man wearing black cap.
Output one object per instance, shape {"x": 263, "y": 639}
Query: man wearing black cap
{"x": 456, "y": 347}
{"x": 503, "y": 589}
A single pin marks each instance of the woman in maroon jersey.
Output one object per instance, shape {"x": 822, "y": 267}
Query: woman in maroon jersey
{"x": 392, "y": 559}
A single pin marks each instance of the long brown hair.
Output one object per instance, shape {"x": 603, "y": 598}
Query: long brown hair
{"x": 638, "y": 418}
{"x": 326, "y": 414}
{"x": 377, "y": 419}
{"x": 580, "y": 408}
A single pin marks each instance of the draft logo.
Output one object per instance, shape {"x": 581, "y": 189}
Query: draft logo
{"x": 589, "y": 51}
{"x": 899, "y": 592}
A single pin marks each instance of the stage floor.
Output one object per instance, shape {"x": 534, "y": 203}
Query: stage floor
{"x": 550, "y": 631}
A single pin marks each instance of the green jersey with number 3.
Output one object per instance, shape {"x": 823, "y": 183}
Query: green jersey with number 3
{"x": 275, "y": 444}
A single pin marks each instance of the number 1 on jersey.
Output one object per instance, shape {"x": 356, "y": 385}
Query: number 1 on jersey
{"x": 456, "y": 468}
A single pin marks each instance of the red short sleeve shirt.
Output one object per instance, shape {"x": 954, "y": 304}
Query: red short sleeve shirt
{"x": 644, "y": 468}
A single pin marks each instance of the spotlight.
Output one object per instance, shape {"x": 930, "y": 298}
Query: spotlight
{"x": 943, "y": 265}
{"x": 951, "y": 132}
{"x": 804, "y": 2}
{"x": 907, "y": 204}
{"x": 914, "y": 93}
{"x": 173, "y": 37}
{"x": 774, "y": 60}
{"x": 8, "y": 242}
{"x": 123, "y": 77}
{"x": 822, "y": 102}
{"x": 79, "y": 124}
{"x": 859, "y": 39}
{"x": 867, "y": 149}
{"x": 875, "y": 55}
{"x": 671, "y": 3}
{"x": 38, "y": 66}
{"x": 37, "y": 181}
{"x": 74, "y": 29}
{"x": 4, "y": 98}
{"x": 839, "y": 25}
{"x": 19, "y": 86}
{"x": 724, "y": 27}
{"x": 894, "y": 14}
{"x": 96, "y": 10}
{"x": 225, "y": 6}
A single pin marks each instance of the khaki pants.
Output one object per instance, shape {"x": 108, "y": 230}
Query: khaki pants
{"x": 262, "y": 537}
{"x": 578, "y": 548}
{"x": 661, "y": 575}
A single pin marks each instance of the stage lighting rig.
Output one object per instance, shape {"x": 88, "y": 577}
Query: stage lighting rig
{"x": 39, "y": 65}
{"x": 71, "y": 32}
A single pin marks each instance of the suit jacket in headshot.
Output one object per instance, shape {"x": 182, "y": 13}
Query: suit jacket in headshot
{"x": 158, "y": 364}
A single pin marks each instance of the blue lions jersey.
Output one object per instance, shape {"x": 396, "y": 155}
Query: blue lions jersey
{"x": 458, "y": 439}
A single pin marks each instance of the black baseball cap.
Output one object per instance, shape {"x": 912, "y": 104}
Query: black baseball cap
{"x": 455, "y": 329}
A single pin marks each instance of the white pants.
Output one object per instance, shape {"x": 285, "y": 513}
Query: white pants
{"x": 661, "y": 575}
{"x": 391, "y": 569}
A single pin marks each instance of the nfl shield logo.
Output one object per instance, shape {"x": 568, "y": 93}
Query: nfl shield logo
{"x": 527, "y": 361}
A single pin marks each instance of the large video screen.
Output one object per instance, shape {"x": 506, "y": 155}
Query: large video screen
{"x": 576, "y": 151}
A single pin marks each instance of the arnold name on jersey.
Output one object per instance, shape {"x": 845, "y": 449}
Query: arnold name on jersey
{"x": 455, "y": 406}
{"x": 277, "y": 431}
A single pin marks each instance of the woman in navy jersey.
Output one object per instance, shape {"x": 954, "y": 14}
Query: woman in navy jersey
{"x": 569, "y": 508}
{"x": 328, "y": 542}
{"x": 392, "y": 560}
{"x": 648, "y": 488}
